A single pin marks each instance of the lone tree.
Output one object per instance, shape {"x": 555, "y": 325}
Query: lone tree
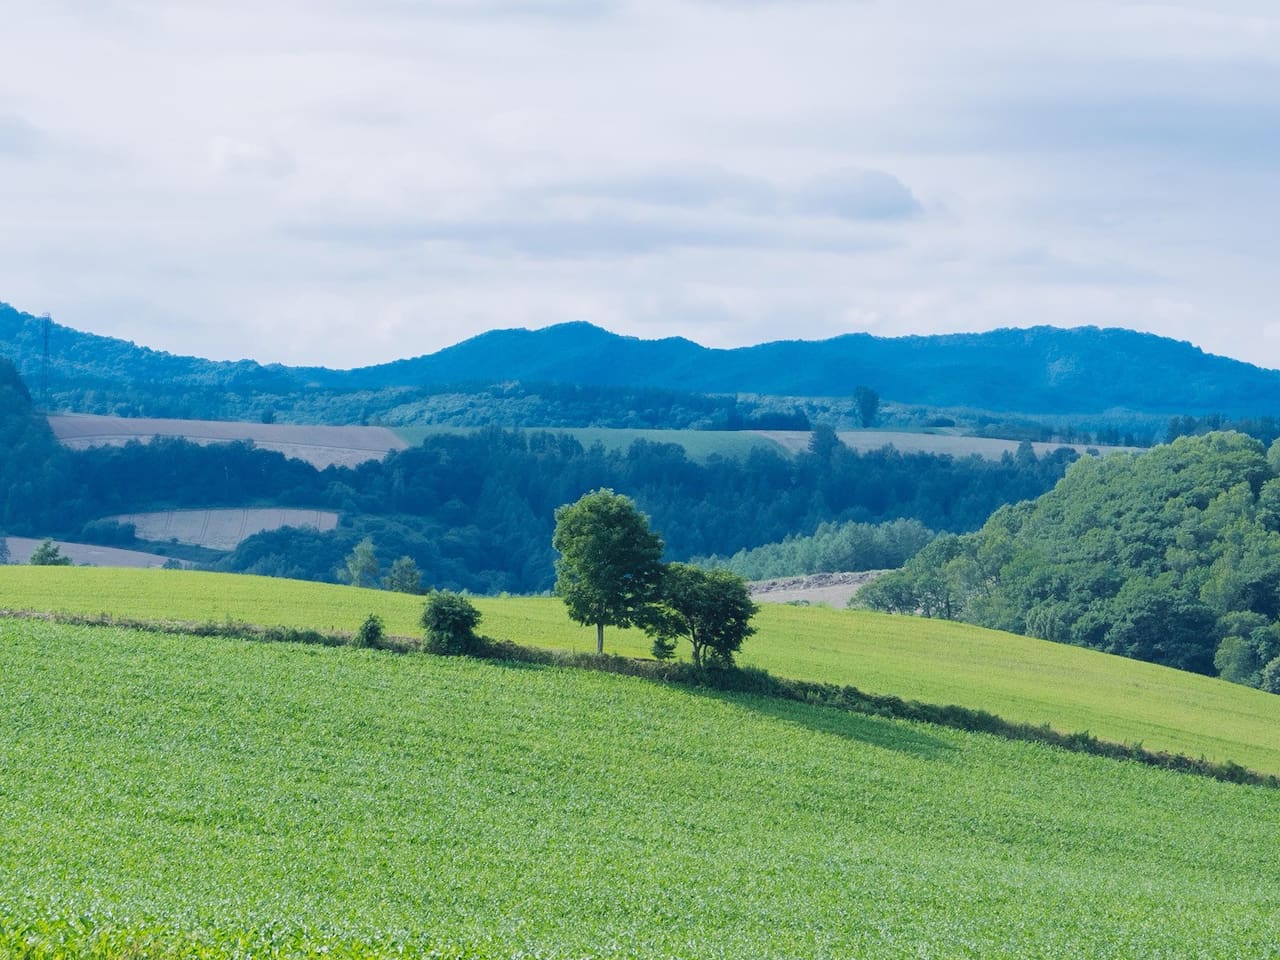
{"x": 868, "y": 403}
{"x": 404, "y": 576}
{"x": 610, "y": 561}
{"x": 48, "y": 554}
{"x": 361, "y": 567}
{"x": 711, "y": 608}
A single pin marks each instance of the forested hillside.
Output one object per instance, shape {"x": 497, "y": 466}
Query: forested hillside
{"x": 1171, "y": 556}
{"x": 475, "y": 511}
{"x": 1043, "y": 370}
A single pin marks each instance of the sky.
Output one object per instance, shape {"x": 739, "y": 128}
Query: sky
{"x": 346, "y": 182}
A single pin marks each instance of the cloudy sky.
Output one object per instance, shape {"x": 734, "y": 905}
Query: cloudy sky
{"x": 351, "y": 181}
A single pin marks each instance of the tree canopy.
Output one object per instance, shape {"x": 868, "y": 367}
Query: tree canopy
{"x": 610, "y": 562}
{"x": 1171, "y": 556}
{"x": 712, "y": 609}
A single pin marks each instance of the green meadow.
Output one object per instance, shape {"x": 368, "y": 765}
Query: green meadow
{"x": 1020, "y": 679}
{"x": 164, "y": 795}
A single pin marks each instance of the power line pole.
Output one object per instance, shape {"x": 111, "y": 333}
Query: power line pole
{"x": 44, "y": 366}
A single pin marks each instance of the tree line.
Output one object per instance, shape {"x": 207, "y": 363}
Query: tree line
{"x": 476, "y": 511}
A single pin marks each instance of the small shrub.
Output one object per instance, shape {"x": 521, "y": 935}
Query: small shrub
{"x": 371, "y": 632}
{"x": 450, "y": 622}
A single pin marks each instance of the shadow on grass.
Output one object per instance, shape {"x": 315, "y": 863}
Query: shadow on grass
{"x": 861, "y": 728}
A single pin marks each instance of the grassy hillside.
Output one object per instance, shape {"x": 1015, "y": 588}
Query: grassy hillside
{"x": 251, "y": 799}
{"x": 939, "y": 662}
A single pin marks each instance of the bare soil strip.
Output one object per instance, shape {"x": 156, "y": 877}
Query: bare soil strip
{"x": 319, "y": 446}
{"x": 86, "y": 554}
{"x": 827, "y": 589}
{"x": 222, "y": 529}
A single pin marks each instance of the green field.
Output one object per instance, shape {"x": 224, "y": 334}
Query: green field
{"x": 931, "y": 660}
{"x": 244, "y": 799}
{"x": 698, "y": 444}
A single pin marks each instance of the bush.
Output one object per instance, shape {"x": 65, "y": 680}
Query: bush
{"x": 371, "y": 632}
{"x": 450, "y": 622}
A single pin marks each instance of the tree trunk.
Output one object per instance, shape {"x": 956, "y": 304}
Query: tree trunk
{"x": 599, "y": 639}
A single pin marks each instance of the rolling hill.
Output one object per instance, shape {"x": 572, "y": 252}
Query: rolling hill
{"x": 1021, "y": 679}
{"x": 1040, "y": 370}
{"x": 175, "y": 796}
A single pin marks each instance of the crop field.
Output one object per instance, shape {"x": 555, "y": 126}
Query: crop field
{"x": 222, "y": 529}
{"x": 171, "y": 795}
{"x": 698, "y": 444}
{"x": 319, "y": 446}
{"x": 935, "y": 661}
{"x": 942, "y": 443}
{"x": 21, "y": 548}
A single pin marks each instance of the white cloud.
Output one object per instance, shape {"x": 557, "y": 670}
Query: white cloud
{"x": 347, "y": 182}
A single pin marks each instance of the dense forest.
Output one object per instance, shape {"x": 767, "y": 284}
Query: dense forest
{"x": 475, "y": 511}
{"x": 1171, "y": 556}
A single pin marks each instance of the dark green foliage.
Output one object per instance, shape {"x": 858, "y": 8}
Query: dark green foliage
{"x": 404, "y": 576}
{"x": 48, "y": 554}
{"x": 371, "y": 632}
{"x": 712, "y": 609}
{"x": 610, "y": 566}
{"x": 109, "y": 533}
{"x": 868, "y": 403}
{"x": 1172, "y": 556}
{"x": 450, "y": 621}
{"x": 832, "y": 548}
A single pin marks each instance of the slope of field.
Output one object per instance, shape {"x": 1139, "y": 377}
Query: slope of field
{"x": 1019, "y": 678}
{"x": 319, "y": 446}
{"x": 261, "y": 796}
{"x": 21, "y": 548}
{"x": 222, "y": 529}
{"x": 863, "y": 441}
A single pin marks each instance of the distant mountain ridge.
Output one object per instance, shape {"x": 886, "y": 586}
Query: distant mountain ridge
{"x": 1034, "y": 370}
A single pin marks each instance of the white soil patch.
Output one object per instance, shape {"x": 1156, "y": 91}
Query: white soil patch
{"x": 319, "y": 446}
{"x": 222, "y": 529}
{"x": 826, "y": 589}
{"x": 86, "y": 554}
{"x": 864, "y": 441}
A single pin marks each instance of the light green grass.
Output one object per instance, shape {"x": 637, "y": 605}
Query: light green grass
{"x": 1018, "y": 678}
{"x": 283, "y": 794}
{"x": 698, "y": 444}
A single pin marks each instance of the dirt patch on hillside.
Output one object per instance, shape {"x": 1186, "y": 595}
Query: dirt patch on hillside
{"x": 319, "y": 446}
{"x": 86, "y": 554}
{"x": 827, "y": 589}
{"x": 222, "y": 529}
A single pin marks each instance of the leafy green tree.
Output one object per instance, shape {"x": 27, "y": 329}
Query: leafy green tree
{"x": 361, "y": 566}
{"x": 868, "y": 404}
{"x": 48, "y": 554}
{"x": 404, "y": 576}
{"x": 712, "y": 609}
{"x": 610, "y": 562}
{"x": 450, "y": 621}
